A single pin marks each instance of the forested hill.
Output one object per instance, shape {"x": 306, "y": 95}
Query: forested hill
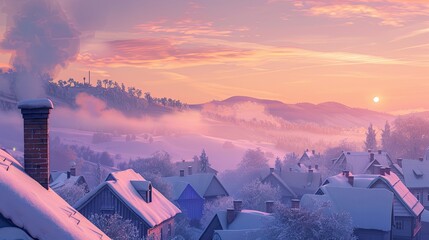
{"x": 129, "y": 100}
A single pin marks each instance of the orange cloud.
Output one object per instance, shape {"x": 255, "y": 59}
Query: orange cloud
{"x": 187, "y": 27}
{"x": 388, "y": 12}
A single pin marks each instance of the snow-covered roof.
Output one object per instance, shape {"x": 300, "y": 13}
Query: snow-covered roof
{"x": 183, "y": 165}
{"x": 416, "y": 173}
{"x": 13, "y": 233}
{"x": 62, "y": 180}
{"x": 299, "y": 183}
{"x": 368, "y": 208}
{"x": 247, "y": 234}
{"x": 153, "y": 213}
{"x": 42, "y": 213}
{"x": 369, "y": 180}
{"x": 200, "y": 181}
{"x": 245, "y": 219}
{"x": 6, "y": 157}
{"x": 36, "y": 103}
{"x": 359, "y": 162}
{"x": 282, "y": 183}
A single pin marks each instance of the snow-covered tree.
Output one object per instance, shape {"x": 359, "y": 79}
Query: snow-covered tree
{"x": 71, "y": 193}
{"x": 115, "y": 226}
{"x": 371, "y": 141}
{"x": 255, "y": 194}
{"x": 213, "y": 207}
{"x": 385, "y": 137}
{"x": 204, "y": 162}
{"x": 303, "y": 224}
{"x": 278, "y": 165}
{"x": 254, "y": 159}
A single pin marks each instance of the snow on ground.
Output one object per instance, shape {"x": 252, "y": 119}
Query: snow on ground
{"x": 223, "y": 153}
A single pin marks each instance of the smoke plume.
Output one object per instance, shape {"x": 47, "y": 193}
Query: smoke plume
{"x": 42, "y": 41}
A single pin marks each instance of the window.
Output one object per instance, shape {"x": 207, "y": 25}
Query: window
{"x": 418, "y": 196}
{"x": 399, "y": 224}
{"x": 108, "y": 210}
{"x": 169, "y": 230}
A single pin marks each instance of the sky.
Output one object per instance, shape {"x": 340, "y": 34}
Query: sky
{"x": 347, "y": 51}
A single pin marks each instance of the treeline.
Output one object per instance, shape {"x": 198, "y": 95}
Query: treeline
{"x": 407, "y": 138}
{"x": 129, "y": 100}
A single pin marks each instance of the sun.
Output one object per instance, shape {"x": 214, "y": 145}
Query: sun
{"x": 376, "y": 99}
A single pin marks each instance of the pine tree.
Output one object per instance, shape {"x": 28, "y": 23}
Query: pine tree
{"x": 204, "y": 161}
{"x": 385, "y": 137}
{"x": 278, "y": 165}
{"x": 371, "y": 141}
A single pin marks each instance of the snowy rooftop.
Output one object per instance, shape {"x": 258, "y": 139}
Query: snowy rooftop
{"x": 368, "y": 208}
{"x": 246, "y": 219}
{"x": 42, "y": 213}
{"x": 359, "y": 162}
{"x": 153, "y": 213}
{"x": 200, "y": 181}
{"x": 416, "y": 173}
{"x": 36, "y": 103}
{"x": 253, "y": 234}
{"x": 391, "y": 180}
{"x": 62, "y": 180}
{"x": 300, "y": 183}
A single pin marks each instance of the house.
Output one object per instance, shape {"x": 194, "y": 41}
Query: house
{"x": 131, "y": 196}
{"x": 187, "y": 199}
{"x": 29, "y": 209}
{"x": 310, "y": 159}
{"x": 294, "y": 184}
{"x": 237, "y": 223}
{"x": 60, "y": 179}
{"x": 370, "y": 209}
{"x": 361, "y": 162}
{"x": 407, "y": 210}
{"x": 207, "y": 185}
{"x": 195, "y": 166}
{"x": 416, "y": 177}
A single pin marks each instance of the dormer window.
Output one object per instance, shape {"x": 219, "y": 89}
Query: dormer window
{"x": 144, "y": 189}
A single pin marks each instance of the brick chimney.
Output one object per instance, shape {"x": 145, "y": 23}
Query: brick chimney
{"x": 238, "y": 205}
{"x": 73, "y": 171}
{"x": 35, "y": 113}
{"x": 351, "y": 179}
{"x": 269, "y": 206}
{"x": 230, "y": 216}
{"x": 421, "y": 159}
{"x": 371, "y": 157}
{"x": 182, "y": 173}
{"x": 382, "y": 171}
{"x": 379, "y": 151}
{"x": 271, "y": 170}
{"x": 189, "y": 170}
{"x": 387, "y": 170}
{"x": 295, "y": 203}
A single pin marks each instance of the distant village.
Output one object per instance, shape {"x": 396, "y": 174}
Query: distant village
{"x": 356, "y": 195}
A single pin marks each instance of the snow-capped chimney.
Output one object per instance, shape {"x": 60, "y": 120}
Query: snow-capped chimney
{"x": 346, "y": 173}
{"x": 182, "y": 173}
{"x": 382, "y": 171}
{"x": 269, "y": 206}
{"x": 68, "y": 174}
{"x": 36, "y": 138}
{"x": 387, "y": 170}
{"x": 421, "y": 158}
{"x": 295, "y": 203}
{"x": 379, "y": 151}
{"x": 238, "y": 205}
{"x": 313, "y": 152}
{"x": 371, "y": 157}
{"x": 271, "y": 170}
{"x": 369, "y": 150}
{"x": 316, "y": 167}
{"x": 189, "y": 170}
{"x": 73, "y": 171}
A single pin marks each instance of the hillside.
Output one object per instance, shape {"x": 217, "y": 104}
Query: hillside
{"x": 326, "y": 114}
